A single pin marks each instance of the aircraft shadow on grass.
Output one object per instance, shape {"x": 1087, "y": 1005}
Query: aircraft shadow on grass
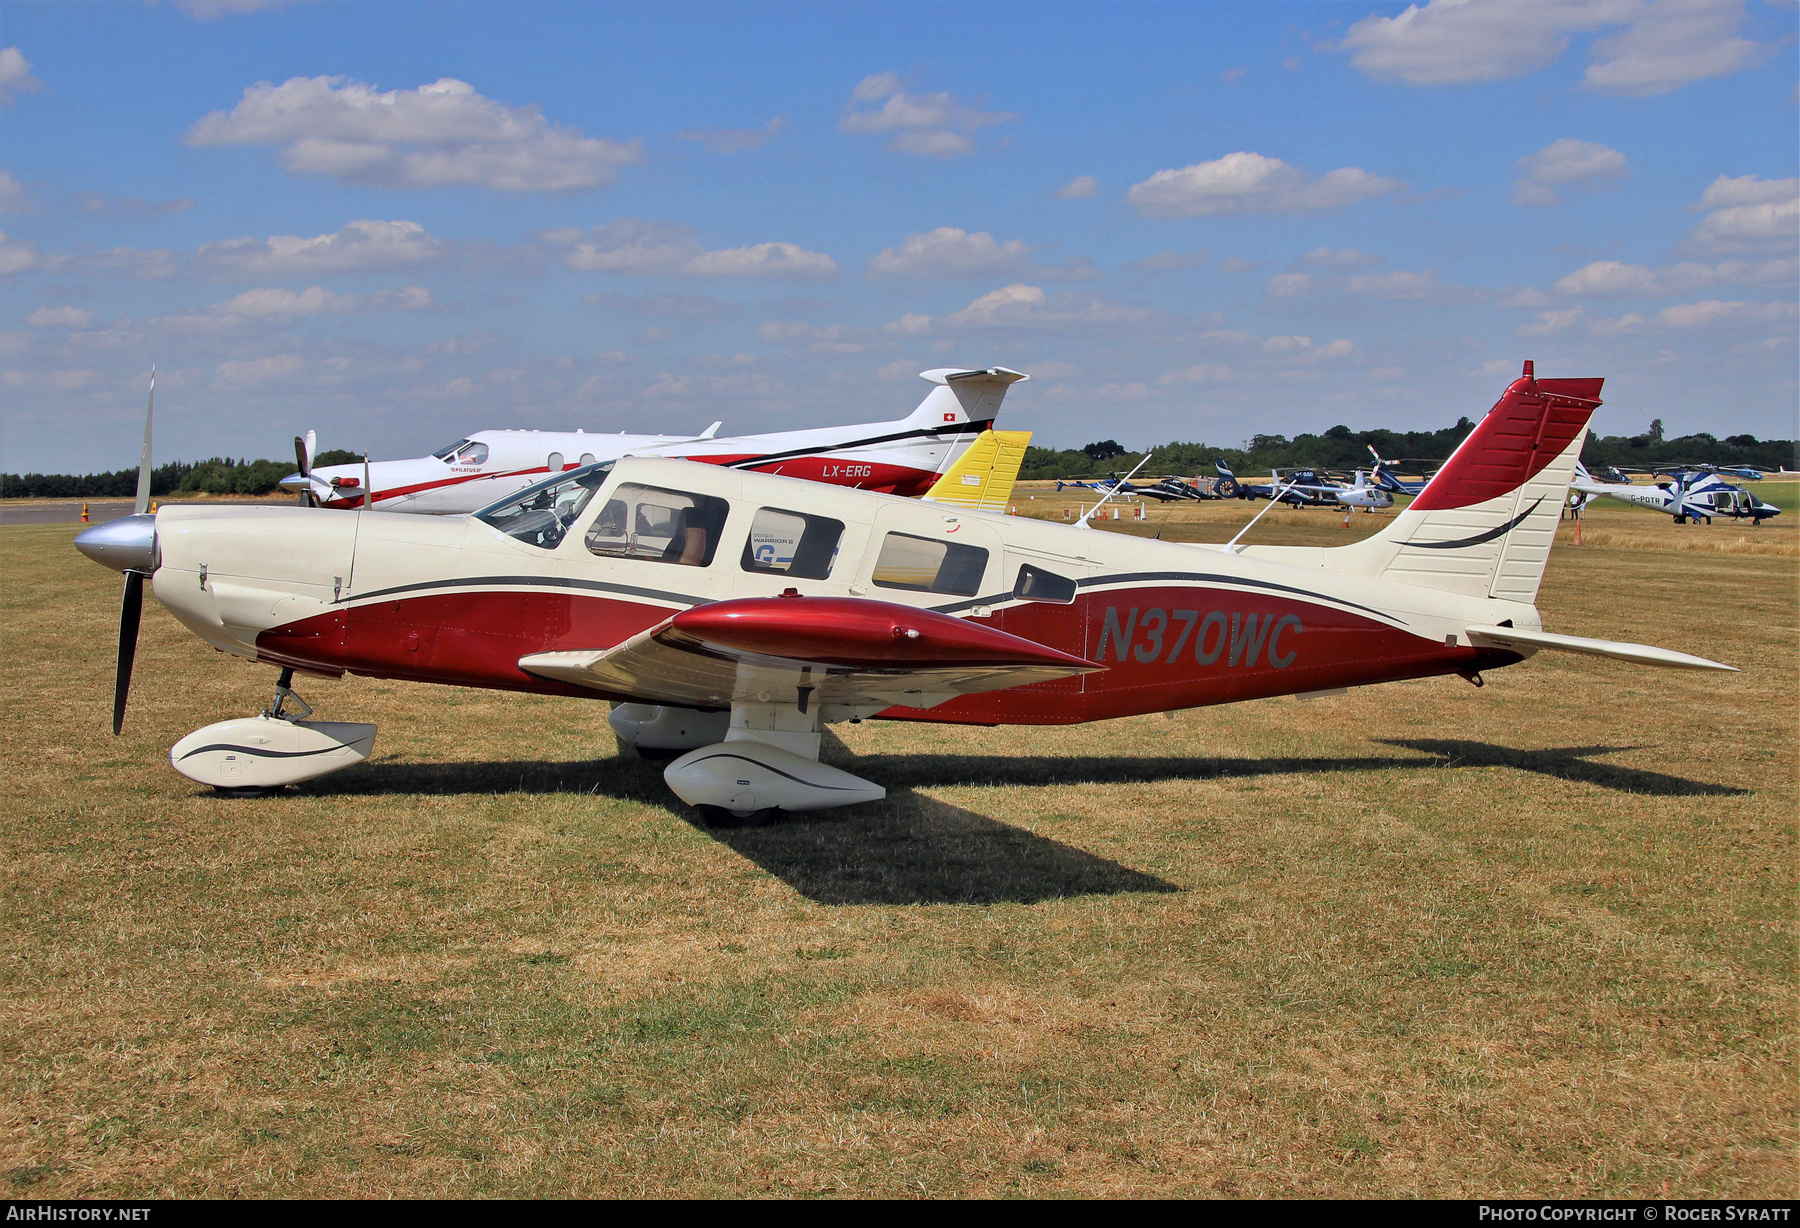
{"x": 1565, "y": 763}
{"x": 911, "y": 849}
{"x": 915, "y": 849}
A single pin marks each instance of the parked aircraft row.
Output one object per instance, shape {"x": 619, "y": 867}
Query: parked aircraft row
{"x": 731, "y": 612}
{"x": 1686, "y": 492}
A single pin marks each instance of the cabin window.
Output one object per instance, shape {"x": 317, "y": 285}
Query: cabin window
{"x": 1036, "y": 584}
{"x": 923, "y": 565}
{"x": 474, "y": 454}
{"x": 540, "y": 515}
{"x": 658, "y": 526}
{"x": 444, "y": 454}
{"x": 792, "y": 544}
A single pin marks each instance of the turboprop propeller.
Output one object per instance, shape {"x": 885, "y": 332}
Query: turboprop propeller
{"x": 128, "y": 543}
{"x": 305, "y": 447}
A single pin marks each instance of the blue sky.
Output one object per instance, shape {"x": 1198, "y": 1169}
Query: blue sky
{"x": 396, "y": 223}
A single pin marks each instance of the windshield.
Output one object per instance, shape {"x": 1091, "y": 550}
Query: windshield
{"x": 540, "y": 515}
{"x": 445, "y": 454}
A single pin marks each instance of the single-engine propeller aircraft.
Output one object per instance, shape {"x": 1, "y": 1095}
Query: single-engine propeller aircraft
{"x": 644, "y": 582}
{"x": 903, "y": 457}
{"x": 1696, "y": 493}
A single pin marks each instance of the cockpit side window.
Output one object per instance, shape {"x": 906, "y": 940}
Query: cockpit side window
{"x": 540, "y": 515}
{"x": 791, "y": 544}
{"x": 1036, "y": 584}
{"x": 444, "y": 454}
{"x": 927, "y": 566}
{"x": 474, "y": 454}
{"x": 658, "y": 526}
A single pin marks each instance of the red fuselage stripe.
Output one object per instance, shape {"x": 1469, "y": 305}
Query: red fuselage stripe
{"x": 1164, "y": 646}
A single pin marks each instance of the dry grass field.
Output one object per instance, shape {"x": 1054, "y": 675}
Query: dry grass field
{"x": 1530, "y": 940}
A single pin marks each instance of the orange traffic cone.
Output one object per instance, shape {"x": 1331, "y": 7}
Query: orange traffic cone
{"x": 153, "y": 507}
{"x": 84, "y": 514}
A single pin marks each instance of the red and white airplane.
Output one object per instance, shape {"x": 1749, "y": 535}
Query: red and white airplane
{"x": 902, "y": 457}
{"x": 644, "y": 582}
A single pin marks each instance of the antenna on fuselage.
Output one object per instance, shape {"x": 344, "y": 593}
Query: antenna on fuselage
{"x": 1274, "y": 498}
{"x": 1116, "y": 487}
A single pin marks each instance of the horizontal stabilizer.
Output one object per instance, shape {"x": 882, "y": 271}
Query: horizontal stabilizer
{"x": 1641, "y": 654}
{"x": 999, "y": 376}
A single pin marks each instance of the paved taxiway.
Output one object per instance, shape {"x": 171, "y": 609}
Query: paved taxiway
{"x": 68, "y": 511}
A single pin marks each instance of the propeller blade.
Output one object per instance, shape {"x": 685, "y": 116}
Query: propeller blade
{"x": 143, "y": 486}
{"x": 301, "y": 457}
{"x": 131, "y": 612}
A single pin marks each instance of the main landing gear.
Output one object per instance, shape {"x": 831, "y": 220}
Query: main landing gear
{"x": 745, "y": 766}
{"x": 255, "y": 756}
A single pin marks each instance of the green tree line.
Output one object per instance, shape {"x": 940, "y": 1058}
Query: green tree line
{"x": 1342, "y": 448}
{"x": 219, "y": 476}
{"x": 1337, "y": 448}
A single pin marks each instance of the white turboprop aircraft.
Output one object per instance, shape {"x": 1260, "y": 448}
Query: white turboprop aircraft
{"x": 901, "y": 457}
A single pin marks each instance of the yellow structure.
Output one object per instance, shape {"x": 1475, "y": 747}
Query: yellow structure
{"x": 982, "y": 477}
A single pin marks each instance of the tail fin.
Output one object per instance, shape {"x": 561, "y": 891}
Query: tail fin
{"x": 963, "y": 404}
{"x": 983, "y": 477}
{"x": 964, "y": 396}
{"x": 1484, "y": 523}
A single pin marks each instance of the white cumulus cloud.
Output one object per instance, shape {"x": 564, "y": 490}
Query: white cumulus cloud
{"x": 1242, "y": 183}
{"x": 124, "y": 263}
{"x": 360, "y": 247}
{"x": 16, "y": 255}
{"x": 1288, "y": 285}
{"x": 241, "y": 373}
{"x": 15, "y": 76}
{"x": 628, "y": 245}
{"x": 13, "y": 197}
{"x": 1023, "y": 306}
{"x": 1566, "y": 164}
{"x": 1748, "y": 214}
{"x": 60, "y": 317}
{"x": 1712, "y": 313}
{"x": 947, "y": 253}
{"x": 1416, "y": 287}
{"x": 438, "y": 135}
{"x": 1344, "y": 258}
{"x": 1614, "y": 279}
{"x": 209, "y": 10}
{"x": 1079, "y": 187}
{"x": 1649, "y": 47}
{"x": 1549, "y": 323}
{"x": 936, "y": 125}
{"x": 735, "y": 140}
